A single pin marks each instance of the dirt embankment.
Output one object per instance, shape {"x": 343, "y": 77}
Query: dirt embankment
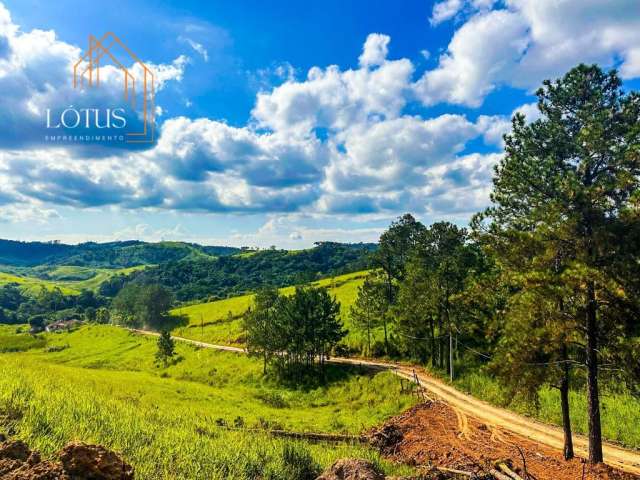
{"x": 434, "y": 435}
{"x": 75, "y": 461}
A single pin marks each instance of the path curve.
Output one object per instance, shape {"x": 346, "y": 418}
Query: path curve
{"x": 552, "y": 436}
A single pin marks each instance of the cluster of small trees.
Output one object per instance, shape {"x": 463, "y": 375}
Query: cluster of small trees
{"x": 138, "y": 305}
{"x": 544, "y": 287}
{"x": 46, "y": 305}
{"x": 295, "y": 333}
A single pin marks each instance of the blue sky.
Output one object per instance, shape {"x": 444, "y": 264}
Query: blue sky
{"x": 286, "y": 122}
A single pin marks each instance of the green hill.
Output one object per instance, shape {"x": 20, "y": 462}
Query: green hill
{"x": 190, "y": 271}
{"x": 222, "y": 277}
{"x": 109, "y": 255}
{"x": 221, "y": 321}
{"x": 70, "y": 279}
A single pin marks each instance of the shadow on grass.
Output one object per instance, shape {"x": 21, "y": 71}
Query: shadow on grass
{"x": 170, "y": 322}
{"x": 306, "y": 378}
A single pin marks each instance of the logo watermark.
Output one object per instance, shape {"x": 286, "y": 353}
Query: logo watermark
{"x": 131, "y": 122}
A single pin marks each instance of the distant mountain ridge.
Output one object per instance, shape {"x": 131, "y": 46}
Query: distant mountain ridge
{"x": 190, "y": 271}
{"x": 111, "y": 254}
{"x": 219, "y": 277}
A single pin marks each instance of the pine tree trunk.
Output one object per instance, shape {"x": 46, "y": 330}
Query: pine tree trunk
{"x": 386, "y": 344}
{"x": 264, "y": 368}
{"x": 593, "y": 395}
{"x": 433, "y": 342}
{"x": 440, "y": 346}
{"x": 450, "y": 353}
{"x": 564, "y": 400}
{"x": 448, "y": 347}
{"x": 384, "y": 317}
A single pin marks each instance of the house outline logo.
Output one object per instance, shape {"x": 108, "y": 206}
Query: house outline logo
{"x": 91, "y": 74}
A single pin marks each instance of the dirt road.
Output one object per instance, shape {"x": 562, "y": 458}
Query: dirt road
{"x": 620, "y": 458}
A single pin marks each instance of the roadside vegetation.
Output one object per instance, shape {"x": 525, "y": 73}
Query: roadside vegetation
{"x": 620, "y": 410}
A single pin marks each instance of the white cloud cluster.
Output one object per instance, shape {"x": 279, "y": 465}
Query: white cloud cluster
{"x": 448, "y": 9}
{"x": 445, "y": 10}
{"x": 338, "y": 141}
{"x": 382, "y": 165}
{"x": 527, "y": 41}
{"x": 375, "y": 50}
{"x": 335, "y": 99}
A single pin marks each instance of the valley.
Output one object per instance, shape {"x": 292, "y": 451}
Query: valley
{"x": 103, "y": 384}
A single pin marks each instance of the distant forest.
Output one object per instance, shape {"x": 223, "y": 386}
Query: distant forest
{"x": 190, "y": 271}
{"x": 215, "y": 278}
{"x": 110, "y": 255}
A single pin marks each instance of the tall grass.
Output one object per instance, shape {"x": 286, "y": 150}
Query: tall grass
{"x": 620, "y": 412}
{"x": 20, "y": 343}
{"x": 13, "y": 338}
{"x": 104, "y": 388}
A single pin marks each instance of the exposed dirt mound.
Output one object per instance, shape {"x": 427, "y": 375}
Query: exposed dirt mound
{"x": 435, "y": 435}
{"x": 351, "y": 469}
{"x": 17, "y": 450}
{"x": 387, "y": 438}
{"x": 77, "y": 462}
{"x": 93, "y": 461}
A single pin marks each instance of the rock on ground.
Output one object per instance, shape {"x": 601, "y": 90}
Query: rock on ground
{"x": 77, "y": 461}
{"x": 351, "y": 469}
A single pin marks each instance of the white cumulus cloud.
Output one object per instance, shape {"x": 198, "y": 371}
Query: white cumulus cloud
{"x": 375, "y": 50}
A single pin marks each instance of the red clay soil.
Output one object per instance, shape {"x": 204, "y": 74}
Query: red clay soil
{"x": 434, "y": 435}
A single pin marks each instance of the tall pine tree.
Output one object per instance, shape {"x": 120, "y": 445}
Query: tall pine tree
{"x": 570, "y": 177}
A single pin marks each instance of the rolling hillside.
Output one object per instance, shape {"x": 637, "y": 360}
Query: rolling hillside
{"x": 222, "y": 277}
{"x": 108, "y": 255}
{"x": 100, "y": 384}
{"x": 221, "y": 321}
{"x": 32, "y": 284}
{"x": 70, "y": 279}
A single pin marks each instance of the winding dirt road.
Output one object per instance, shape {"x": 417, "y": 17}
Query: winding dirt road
{"x": 614, "y": 456}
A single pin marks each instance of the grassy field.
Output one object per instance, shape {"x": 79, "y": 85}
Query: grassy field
{"x": 32, "y": 284}
{"x": 620, "y": 412}
{"x": 70, "y": 279}
{"x": 10, "y": 342}
{"x": 221, "y": 321}
{"x": 100, "y": 384}
{"x": 88, "y": 278}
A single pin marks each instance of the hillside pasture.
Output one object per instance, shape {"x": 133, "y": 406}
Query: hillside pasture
{"x": 220, "y": 321}
{"x": 68, "y": 278}
{"x": 205, "y": 416}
